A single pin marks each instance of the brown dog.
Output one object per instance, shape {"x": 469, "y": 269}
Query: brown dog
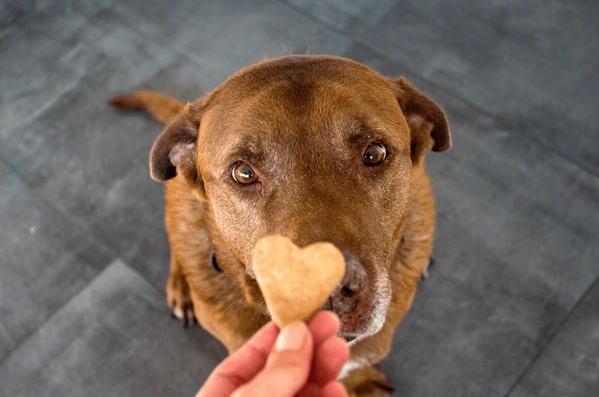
{"x": 315, "y": 148}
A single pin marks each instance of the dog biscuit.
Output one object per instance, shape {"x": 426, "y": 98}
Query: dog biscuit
{"x": 296, "y": 282}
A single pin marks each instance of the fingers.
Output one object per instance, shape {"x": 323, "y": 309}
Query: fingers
{"x": 331, "y": 389}
{"x": 334, "y": 389}
{"x": 242, "y": 365}
{"x": 329, "y": 360}
{"x": 331, "y": 352}
{"x": 286, "y": 369}
{"x": 323, "y": 325}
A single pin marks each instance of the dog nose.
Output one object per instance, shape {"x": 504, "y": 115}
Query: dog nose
{"x": 345, "y": 296}
{"x": 355, "y": 276}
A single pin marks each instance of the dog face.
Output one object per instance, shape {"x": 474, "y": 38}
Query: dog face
{"x": 315, "y": 149}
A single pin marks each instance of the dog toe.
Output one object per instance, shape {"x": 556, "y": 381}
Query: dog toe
{"x": 426, "y": 271}
{"x": 189, "y": 318}
{"x": 179, "y": 300}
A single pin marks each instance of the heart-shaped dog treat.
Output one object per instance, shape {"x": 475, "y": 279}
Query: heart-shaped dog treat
{"x": 295, "y": 281}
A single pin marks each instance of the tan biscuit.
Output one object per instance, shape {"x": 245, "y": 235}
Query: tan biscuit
{"x": 295, "y": 281}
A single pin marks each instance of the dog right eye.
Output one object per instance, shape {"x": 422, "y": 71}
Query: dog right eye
{"x": 244, "y": 174}
{"x": 375, "y": 154}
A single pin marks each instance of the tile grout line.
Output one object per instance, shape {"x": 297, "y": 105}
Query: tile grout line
{"x": 551, "y": 337}
{"x": 196, "y": 61}
{"x": 497, "y": 119}
{"x": 310, "y": 16}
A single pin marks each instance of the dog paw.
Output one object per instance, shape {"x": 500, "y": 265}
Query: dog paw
{"x": 368, "y": 382}
{"x": 179, "y": 299}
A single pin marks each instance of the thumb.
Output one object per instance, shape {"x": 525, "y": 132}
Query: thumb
{"x": 287, "y": 367}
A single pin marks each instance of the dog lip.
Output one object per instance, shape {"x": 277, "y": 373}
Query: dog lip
{"x": 348, "y": 337}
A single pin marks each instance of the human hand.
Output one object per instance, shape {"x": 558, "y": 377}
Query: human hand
{"x": 299, "y": 361}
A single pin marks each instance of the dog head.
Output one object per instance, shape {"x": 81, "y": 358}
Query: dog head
{"x": 314, "y": 148}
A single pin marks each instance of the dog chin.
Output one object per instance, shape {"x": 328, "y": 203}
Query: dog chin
{"x": 370, "y": 329}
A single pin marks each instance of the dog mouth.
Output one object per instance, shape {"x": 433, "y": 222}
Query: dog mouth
{"x": 349, "y": 338}
{"x": 362, "y": 313}
{"x": 355, "y": 312}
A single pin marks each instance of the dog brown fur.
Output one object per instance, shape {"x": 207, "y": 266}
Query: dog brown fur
{"x": 302, "y": 123}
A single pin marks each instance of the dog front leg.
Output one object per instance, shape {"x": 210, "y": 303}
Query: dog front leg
{"x": 178, "y": 295}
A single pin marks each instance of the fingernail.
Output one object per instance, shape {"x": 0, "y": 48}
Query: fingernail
{"x": 292, "y": 337}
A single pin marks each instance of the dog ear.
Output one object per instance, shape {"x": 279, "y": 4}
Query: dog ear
{"x": 429, "y": 128}
{"x": 175, "y": 150}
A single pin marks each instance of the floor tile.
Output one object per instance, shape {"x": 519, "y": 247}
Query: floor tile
{"x": 47, "y": 55}
{"x": 569, "y": 366}
{"x": 528, "y": 63}
{"x": 14, "y": 14}
{"x": 130, "y": 218}
{"x": 246, "y": 31}
{"x": 515, "y": 250}
{"x": 78, "y": 150}
{"x": 115, "y": 338}
{"x": 519, "y": 392}
{"x": 350, "y": 17}
{"x": 45, "y": 260}
{"x": 11, "y": 11}
{"x": 73, "y": 145}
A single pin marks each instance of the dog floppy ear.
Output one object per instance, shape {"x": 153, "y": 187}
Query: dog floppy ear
{"x": 429, "y": 128}
{"x": 174, "y": 151}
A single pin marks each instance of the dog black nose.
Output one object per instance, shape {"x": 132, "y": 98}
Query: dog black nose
{"x": 345, "y": 296}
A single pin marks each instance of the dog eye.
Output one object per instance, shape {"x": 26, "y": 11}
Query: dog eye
{"x": 375, "y": 154}
{"x": 244, "y": 174}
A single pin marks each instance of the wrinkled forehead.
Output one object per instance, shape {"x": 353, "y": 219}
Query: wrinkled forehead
{"x": 300, "y": 108}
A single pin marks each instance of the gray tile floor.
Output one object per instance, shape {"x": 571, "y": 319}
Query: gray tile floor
{"x": 512, "y": 309}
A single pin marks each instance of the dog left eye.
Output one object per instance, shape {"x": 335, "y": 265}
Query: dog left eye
{"x": 375, "y": 154}
{"x": 244, "y": 174}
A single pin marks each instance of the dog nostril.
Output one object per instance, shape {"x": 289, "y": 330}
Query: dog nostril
{"x": 347, "y": 292}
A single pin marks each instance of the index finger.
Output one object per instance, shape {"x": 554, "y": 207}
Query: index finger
{"x": 241, "y": 366}
{"x": 323, "y": 325}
